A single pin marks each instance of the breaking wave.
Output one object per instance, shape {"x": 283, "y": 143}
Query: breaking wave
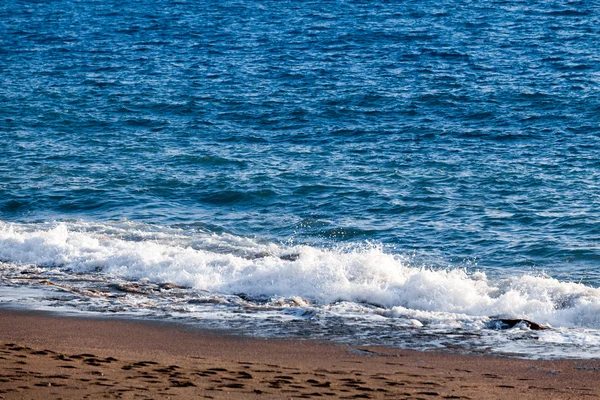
{"x": 228, "y": 264}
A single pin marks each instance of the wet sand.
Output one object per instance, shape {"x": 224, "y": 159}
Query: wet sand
{"x": 49, "y": 357}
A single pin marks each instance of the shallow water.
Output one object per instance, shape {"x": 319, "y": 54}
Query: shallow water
{"x": 394, "y": 173}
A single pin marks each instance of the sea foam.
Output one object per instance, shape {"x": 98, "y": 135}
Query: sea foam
{"x": 364, "y": 274}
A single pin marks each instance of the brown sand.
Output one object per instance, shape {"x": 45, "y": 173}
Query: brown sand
{"x": 48, "y": 357}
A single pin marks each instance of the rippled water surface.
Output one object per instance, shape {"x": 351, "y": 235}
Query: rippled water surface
{"x": 285, "y": 155}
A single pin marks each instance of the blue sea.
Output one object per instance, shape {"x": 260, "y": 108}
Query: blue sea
{"x": 404, "y": 173}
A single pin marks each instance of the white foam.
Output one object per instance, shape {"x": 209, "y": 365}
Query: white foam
{"x": 229, "y": 264}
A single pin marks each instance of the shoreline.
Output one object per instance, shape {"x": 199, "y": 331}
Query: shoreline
{"x": 46, "y": 356}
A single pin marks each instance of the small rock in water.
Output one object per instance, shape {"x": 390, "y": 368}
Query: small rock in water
{"x": 506, "y": 323}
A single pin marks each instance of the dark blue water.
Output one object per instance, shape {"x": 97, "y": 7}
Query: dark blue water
{"x": 465, "y": 129}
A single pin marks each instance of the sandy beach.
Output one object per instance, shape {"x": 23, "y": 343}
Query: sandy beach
{"x": 50, "y": 357}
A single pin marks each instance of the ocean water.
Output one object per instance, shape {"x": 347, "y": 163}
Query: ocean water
{"x": 397, "y": 173}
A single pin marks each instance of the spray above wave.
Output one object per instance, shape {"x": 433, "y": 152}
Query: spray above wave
{"x": 231, "y": 265}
